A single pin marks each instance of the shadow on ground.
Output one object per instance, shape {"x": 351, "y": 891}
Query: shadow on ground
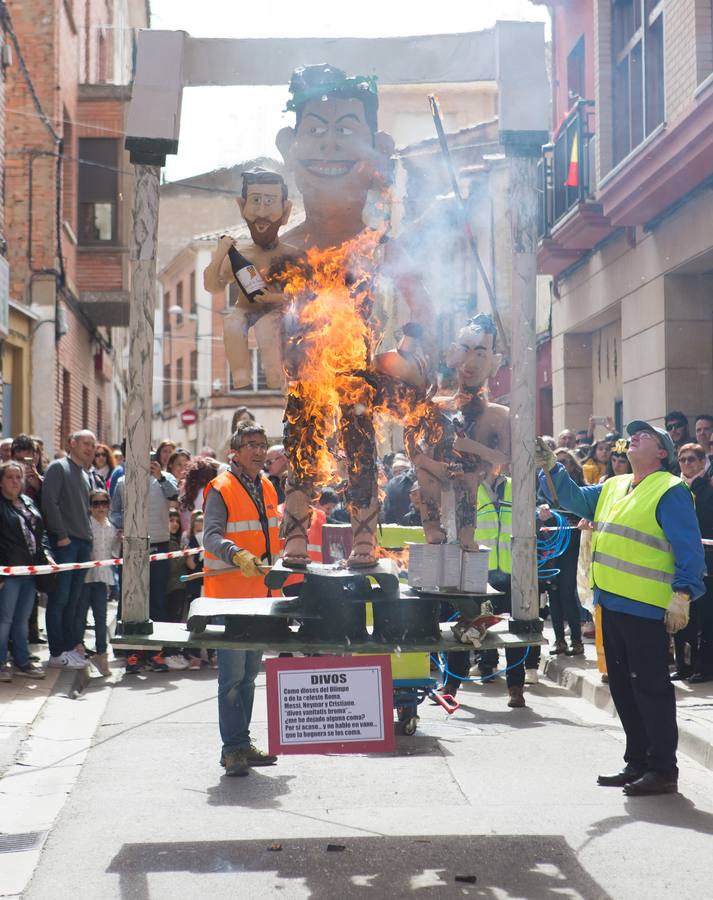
{"x": 539, "y": 866}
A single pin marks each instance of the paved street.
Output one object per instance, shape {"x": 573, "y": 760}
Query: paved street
{"x": 507, "y": 796}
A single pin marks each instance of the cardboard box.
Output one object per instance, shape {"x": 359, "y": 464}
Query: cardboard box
{"x": 474, "y": 571}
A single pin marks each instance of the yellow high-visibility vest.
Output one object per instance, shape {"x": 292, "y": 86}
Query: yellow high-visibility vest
{"x": 631, "y": 555}
{"x": 493, "y": 527}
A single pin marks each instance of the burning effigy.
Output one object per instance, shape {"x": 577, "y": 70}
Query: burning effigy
{"x": 312, "y": 295}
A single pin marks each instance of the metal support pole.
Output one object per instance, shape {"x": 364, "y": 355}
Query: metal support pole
{"x": 523, "y": 207}
{"x": 135, "y": 580}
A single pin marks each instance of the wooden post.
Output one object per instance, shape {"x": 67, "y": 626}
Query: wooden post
{"x": 523, "y": 207}
{"x": 135, "y": 579}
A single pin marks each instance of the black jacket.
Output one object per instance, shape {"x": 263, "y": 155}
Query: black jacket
{"x": 13, "y": 548}
{"x": 702, "y": 490}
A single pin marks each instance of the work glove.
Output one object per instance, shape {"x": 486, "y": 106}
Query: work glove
{"x": 676, "y": 616}
{"x": 248, "y": 564}
{"x": 544, "y": 457}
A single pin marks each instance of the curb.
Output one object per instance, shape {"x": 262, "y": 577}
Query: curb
{"x": 694, "y": 739}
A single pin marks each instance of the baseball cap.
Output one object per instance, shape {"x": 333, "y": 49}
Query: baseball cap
{"x": 663, "y": 436}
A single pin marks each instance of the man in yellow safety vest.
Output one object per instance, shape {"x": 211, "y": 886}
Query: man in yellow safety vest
{"x": 647, "y": 565}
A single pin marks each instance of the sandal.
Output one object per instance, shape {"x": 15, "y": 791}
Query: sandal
{"x": 364, "y": 554}
{"x": 294, "y": 530}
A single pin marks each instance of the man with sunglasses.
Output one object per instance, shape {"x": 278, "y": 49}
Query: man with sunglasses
{"x": 647, "y": 565}
{"x": 677, "y": 427}
{"x": 240, "y": 532}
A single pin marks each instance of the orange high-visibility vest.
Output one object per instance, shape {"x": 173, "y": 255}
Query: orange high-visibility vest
{"x": 245, "y": 529}
{"x": 314, "y": 534}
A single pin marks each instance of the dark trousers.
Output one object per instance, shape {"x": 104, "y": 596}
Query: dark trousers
{"x": 562, "y": 593}
{"x": 687, "y": 635}
{"x": 636, "y": 651}
{"x": 158, "y": 582}
{"x": 704, "y": 661}
{"x": 458, "y": 664}
{"x": 62, "y": 603}
{"x": 94, "y": 597}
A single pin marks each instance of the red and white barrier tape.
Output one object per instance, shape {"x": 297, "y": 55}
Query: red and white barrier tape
{"x": 91, "y": 564}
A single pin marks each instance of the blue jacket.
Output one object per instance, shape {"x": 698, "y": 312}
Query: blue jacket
{"x": 675, "y": 514}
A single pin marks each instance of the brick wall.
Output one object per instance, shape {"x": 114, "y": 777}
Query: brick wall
{"x": 680, "y": 62}
{"x": 100, "y": 270}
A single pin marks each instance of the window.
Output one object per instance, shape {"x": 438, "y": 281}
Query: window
{"x": 179, "y": 304}
{"x": 575, "y": 73}
{"x": 179, "y": 380}
{"x": 638, "y": 88}
{"x": 167, "y": 385}
{"x": 85, "y": 407}
{"x": 166, "y": 313}
{"x": 65, "y": 424}
{"x": 192, "y": 294}
{"x": 194, "y": 372}
{"x": 98, "y": 191}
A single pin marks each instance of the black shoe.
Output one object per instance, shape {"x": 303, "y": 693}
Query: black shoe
{"x": 652, "y": 783}
{"x": 699, "y": 678}
{"x": 626, "y": 776}
{"x": 486, "y": 674}
{"x": 680, "y": 676}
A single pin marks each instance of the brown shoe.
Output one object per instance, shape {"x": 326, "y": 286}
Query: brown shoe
{"x": 558, "y": 647}
{"x": 101, "y": 662}
{"x": 517, "y": 697}
{"x": 577, "y": 649}
{"x": 236, "y": 763}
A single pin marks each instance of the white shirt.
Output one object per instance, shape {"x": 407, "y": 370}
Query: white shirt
{"x": 106, "y": 545}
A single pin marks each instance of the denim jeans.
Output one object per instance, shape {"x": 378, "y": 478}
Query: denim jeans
{"x": 158, "y": 582}
{"x": 16, "y": 601}
{"x": 94, "y": 597}
{"x": 62, "y": 603}
{"x": 237, "y": 671}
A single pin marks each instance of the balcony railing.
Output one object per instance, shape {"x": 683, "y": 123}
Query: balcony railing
{"x": 557, "y": 197}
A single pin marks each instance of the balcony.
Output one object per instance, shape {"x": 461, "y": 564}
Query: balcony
{"x": 571, "y": 221}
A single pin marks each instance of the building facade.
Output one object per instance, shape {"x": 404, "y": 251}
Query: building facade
{"x": 68, "y": 194}
{"x": 627, "y": 206}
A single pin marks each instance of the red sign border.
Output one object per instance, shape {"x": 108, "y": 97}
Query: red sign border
{"x": 275, "y": 665}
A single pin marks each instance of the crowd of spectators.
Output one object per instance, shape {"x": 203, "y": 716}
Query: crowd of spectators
{"x": 71, "y": 510}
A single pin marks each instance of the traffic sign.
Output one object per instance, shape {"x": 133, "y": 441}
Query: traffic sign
{"x": 189, "y": 417}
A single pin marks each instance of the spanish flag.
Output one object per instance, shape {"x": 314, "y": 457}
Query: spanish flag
{"x": 573, "y": 171}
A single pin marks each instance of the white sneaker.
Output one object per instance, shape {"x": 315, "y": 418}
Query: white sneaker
{"x": 79, "y": 658}
{"x": 531, "y": 676}
{"x": 5, "y": 672}
{"x": 67, "y": 660}
{"x": 176, "y": 662}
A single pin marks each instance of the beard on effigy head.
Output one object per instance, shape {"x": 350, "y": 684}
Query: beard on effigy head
{"x": 264, "y": 205}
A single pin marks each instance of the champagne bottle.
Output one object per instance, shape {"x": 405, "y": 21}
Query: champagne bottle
{"x": 246, "y": 275}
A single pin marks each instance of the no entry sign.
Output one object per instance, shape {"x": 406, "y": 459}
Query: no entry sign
{"x": 330, "y": 704}
{"x": 189, "y": 417}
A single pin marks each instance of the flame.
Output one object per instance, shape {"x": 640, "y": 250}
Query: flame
{"x": 330, "y": 344}
{"x": 332, "y": 386}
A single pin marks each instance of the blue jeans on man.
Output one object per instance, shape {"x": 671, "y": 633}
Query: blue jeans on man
{"x": 63, "y": 602}
{"x": 237, "y": 671}
{"x": 94, "y": 597}
{"x": 16, "y": 601}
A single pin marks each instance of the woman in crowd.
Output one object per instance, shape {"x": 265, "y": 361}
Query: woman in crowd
{"x": 697, "y": 664}
{"x": 163, "y": 452}
{"x": 199, "y": 472}
{"x": 106, "y": 544}
{"x": 618, "y": 460}
{"x": 22, "y": 543}
{"x": 562, "y": 588}
{"x": 594, "y": 467}
{"x": 178, "y": 463}
{"x": 104, "y": 462}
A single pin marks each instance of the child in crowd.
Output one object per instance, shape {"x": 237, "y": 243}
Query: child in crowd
{"x": 194, "y": 539}
{"x": 106, "y": 545}
{"x": 176, "y": 594}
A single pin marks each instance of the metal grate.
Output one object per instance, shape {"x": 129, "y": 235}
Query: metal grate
{"x": 13, "y": 843}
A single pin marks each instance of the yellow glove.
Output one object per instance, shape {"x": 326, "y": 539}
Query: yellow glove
{"x": 544, "y": 457}
{"x": 249, "y": 565}
{"x": 676, "y": 615}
